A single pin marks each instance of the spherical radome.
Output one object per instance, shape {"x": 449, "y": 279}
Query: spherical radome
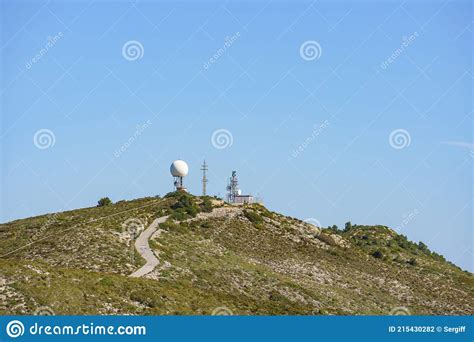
{"x": 179, "y": 168}
{"x": 239, "y": 192}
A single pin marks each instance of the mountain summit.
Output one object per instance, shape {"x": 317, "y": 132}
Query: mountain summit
{"x": 204, "y": 256}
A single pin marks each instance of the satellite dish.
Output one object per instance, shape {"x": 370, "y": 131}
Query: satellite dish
{"x": 179, "y": 168}
{"x": 239, "y": 192}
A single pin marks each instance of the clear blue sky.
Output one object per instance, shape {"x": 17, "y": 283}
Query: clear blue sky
{"x": 380, "y": 66}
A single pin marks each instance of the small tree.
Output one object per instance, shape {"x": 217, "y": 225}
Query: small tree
{"x": 348, "y": 226}
{"x": 104, "y": 201}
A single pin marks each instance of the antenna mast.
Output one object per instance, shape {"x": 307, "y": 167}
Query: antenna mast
{"x": 232, "y": 188}
{"x": 204, "y": 178}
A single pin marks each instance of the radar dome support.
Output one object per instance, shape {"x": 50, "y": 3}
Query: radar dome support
{"x": 179, "y": 169}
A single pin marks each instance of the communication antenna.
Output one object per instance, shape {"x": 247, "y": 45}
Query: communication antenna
{"x": 232, "y": 188}
{"x": 204, "y": 178}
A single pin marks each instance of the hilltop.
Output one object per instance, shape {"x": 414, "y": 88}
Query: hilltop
{"x": 240, "y": 259}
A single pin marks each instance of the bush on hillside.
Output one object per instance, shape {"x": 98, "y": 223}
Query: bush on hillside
{"x": 424, "y": 248}
{"x": 377, "y": 254}
{"x": 184, "y": 207}
{"x": 253, "y": 217}
{"x": 179, "y": 215}
{"x": 206, "y": 205}
{"x": 265, "y": 212}
{"x": 104, "y": 201}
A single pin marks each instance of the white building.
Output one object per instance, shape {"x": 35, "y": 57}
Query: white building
{"x": 243, "y": 199}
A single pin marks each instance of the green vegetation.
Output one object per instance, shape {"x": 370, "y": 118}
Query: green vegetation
{"x": 184, "y": 207}
{"x": 89, "y": 238}
{"x": 246, "y": 258}
{"x": 104, "y": 201}
{"x": 206, "y": 205}
{"x": 253, "y": 217}
{"x": 377, "y": 254}
{"x": 392, "y": 246}
{"x": 262, "y": 210}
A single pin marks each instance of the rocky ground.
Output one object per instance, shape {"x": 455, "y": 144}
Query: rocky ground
{"x": 245, "y": 259}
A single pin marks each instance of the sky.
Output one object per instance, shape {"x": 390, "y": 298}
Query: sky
{"x": 330, "y": 111}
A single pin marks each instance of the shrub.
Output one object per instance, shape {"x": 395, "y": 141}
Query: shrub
{"x": 179, "y": 215}
{"x": 206, "y": 205}
{"x": 424, "y": 248}
{"x": 184, "y": 206}
{"x": 266, "y": 213}
{"x": 192, "y": 210}
{"x": 438, "y": 256}
{"x": 173, "y": 194}
{"x": 348, "y": 226}
{"x": 104, "y": 201}
{"x": 377, "y": 254}
{"x": 168, "y": 225}
{"x": 253, "y": 217}
{"x": 412, "y": 262}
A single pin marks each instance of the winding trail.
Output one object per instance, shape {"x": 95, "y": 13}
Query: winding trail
{"x": 143, "y": 248}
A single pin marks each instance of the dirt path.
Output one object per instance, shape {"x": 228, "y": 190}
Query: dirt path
{"x": 143, "y": 248}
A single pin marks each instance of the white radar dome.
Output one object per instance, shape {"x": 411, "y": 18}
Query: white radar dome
{"x": 239, "y": 192}
{"x": 179, "y": 168}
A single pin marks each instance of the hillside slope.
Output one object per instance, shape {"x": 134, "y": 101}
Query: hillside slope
{"x": 246, "y": 260}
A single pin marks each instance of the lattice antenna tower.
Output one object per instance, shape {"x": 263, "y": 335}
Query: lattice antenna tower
{"x": 204, "y": 178}
{"x": 232, "y": 188}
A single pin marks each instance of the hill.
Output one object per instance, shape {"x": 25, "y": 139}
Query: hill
{"x": 213, "y": 256}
